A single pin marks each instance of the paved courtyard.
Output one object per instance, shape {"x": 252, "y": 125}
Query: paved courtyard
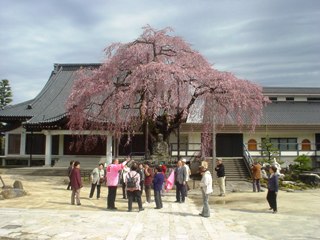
{"x": 46, "y": 213}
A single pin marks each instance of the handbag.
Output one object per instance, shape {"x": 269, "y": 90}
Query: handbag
{"x": 101, "y": 180}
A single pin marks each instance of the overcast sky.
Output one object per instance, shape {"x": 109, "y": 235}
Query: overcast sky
{"x": 269, "y": 42}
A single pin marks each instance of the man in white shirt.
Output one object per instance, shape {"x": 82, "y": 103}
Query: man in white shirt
{"x": 186, "y": 166}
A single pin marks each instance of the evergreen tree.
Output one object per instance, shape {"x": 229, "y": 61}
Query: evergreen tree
{"x": 269, "y": 150}
{"x": 5, "y": 93}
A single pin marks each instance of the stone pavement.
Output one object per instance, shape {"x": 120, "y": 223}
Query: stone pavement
{"x": 174, "y": 221}
{"x": 46, "y": 213}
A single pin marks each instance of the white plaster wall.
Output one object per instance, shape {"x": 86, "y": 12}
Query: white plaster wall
{"x": 16, "y": 131}
{"x": 195, "y": 138}
{"x": 287, "y": 157}
{"x": 300, "y": 99}
{"x": 279, "y": 134}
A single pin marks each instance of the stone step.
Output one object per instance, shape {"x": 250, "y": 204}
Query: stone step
{"x": 235, "y": 169}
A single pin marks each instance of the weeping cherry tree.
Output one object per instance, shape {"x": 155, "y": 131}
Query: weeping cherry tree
{"x": 160, "y": 80}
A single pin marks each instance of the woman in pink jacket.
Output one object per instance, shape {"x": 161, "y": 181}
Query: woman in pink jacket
{"x": 112, "y": 178}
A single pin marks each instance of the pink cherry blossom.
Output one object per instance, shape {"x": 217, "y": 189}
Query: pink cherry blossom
{"x": 158, "y": 78}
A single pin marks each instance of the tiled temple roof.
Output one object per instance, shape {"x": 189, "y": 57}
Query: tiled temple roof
{"x": 48, "y": 106}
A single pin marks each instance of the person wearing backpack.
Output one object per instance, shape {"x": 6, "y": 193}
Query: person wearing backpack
{"x": 132, "y": 181}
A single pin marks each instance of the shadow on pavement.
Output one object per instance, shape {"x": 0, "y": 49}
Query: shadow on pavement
{"x": 250, "y": 211}
{"x": 184, "y": 214}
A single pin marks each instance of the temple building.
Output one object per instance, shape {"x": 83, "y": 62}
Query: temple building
{"x": 35, "y": 132}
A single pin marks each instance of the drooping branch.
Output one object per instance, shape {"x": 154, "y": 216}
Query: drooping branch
{"x": 156, "y": 78}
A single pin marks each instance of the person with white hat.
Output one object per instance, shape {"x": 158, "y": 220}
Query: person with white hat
{"x": 206, "y": 189}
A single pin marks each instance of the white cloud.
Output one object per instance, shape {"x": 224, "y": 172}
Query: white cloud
{"x": 270, "y": 42}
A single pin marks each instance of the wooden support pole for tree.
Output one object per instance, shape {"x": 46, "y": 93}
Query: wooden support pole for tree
{"x": 146, "y": 148}
{"x": 2, "y": 182}
{"x": 214, "y": 134}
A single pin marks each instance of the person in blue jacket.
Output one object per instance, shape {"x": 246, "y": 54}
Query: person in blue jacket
{"x": 157, "y": 186}
{"x": 273, "y": 187}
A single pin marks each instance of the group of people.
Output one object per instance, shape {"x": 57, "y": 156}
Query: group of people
{"x": 144, "y": 177}
{"x": 139, "y": 177}
{"x": 133, "y": 179}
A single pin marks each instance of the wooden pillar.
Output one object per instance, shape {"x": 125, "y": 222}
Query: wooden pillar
{"x": 109, "y": 149}
{"x": 48, "y": 151}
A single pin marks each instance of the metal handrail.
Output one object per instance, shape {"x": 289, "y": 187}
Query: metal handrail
{"x": 248, "y": 159}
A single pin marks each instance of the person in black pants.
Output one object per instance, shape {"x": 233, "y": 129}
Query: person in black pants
{"x": 180, "y": 181}
{"x": 133, "y": 192}
{"x": 96, "y": 178}
{"x": 221, "y": 177}
{"x": 273, "y": 187}
{"x": 123, "y": 175}
{"x": 69, "y": 173}
{"x": 140, "y": 170}
{"x": 112, "y": 177}
{"x": 158, "y": 181}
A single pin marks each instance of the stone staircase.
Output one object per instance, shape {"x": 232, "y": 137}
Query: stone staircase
{"x": 235, "y": 169}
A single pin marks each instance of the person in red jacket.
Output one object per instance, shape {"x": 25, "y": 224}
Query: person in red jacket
{"x": 148, "y": 177}
{"x": 76, "y": 183}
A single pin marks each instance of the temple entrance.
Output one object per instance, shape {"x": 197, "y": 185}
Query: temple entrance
{"x": 229, "y": 145}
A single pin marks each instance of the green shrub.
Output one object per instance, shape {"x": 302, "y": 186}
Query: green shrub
{"x": 302, "y": 163}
